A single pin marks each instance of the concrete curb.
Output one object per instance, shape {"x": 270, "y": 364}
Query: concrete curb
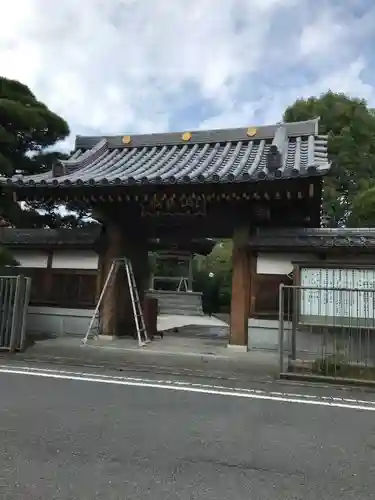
{"x": 328, "y": 380}
{"x": 289, "y": 379}
{"x": 122, "y": 366}
{"x": 156, "y": 352}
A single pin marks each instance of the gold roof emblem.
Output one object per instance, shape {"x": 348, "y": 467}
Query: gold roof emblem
{"x": 126, "y": 139}
{"x": 186, "y": 136}
{"x": 251, "y": 131}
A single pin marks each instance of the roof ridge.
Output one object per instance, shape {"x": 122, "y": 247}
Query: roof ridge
{"x": 73, "y": 161}
{"x": 293, "y": 129}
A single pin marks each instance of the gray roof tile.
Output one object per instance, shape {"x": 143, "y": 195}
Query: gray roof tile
{"x": 274, "y": 152}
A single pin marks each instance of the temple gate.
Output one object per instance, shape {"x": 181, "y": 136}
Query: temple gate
{"x": 217, "y": 184}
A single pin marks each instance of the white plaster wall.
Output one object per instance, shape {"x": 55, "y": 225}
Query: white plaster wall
{"x": 279, "y": 263}
{"x": 31, "y": 258}
{"x": 265, "y": 334}
{"x": 58, "y": 321}
{"x": 75, "y": 259}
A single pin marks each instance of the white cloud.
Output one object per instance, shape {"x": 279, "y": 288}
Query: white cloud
{"x": 322, "y": 37}
{"x": 116, "y": 66}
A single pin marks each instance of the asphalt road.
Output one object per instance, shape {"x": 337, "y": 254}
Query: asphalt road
{"x": 80, "y": 439}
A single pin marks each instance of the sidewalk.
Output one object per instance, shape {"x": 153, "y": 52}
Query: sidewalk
{"x": 198, "y": 355}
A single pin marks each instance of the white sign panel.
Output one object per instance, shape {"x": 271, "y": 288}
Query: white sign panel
{"x": 333, "y": 305}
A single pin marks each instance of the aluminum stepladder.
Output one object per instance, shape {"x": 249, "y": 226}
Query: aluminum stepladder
{"x": 182, "y": 284}
{"x": 139, "y": 320}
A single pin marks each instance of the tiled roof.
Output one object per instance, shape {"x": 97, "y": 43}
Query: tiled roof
{"x": 86, "y": 237}
{"x": 319, "y": 238}
{"x": 235, "y": 155}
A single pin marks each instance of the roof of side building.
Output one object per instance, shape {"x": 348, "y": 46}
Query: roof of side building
{"x": 87, "y": 237}
{"x": 313, "y": 238}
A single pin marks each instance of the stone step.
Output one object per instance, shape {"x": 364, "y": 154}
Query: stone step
{"x": 178, "y": 303}
{"x": 181, "y": 312}
{"x": 177, "y": 296}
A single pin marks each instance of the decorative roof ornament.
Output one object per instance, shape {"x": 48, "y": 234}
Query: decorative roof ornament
{"x": 251, "y": 132}
{"x": 186, "y": 136}
{"x": 278, "y": 150}
{"x": 126, "y": 139}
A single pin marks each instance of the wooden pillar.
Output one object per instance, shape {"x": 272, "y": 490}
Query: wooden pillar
{"x": 113, "y": 250}
{"x": 116, "y": 312}
{"x": 151, "y": 281}
{"x": 240, "y": 290}
{"x": 151, "y": 260}
{"x": 47, "y": 284}
{"x": 100, "y": 276}
{"x": 190, "y": 272}
{"x": 253, "y": 283}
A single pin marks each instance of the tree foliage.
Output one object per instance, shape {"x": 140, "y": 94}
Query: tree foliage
{"x": 6, "y": 258}
{"x": 363, "y": 214}
{"x": 27, "y": 130}
{"x": 350, "y": 125}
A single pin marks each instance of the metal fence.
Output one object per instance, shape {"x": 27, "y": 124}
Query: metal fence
{"x": 327, "y": 331}
{"x": 14, "y": 300}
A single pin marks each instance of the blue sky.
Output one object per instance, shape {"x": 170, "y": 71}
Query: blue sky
{"x": 133, "y": 66}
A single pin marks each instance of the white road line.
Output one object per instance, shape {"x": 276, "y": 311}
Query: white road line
{"x": 194, "y": 388}
{"x": 27, "y": 369}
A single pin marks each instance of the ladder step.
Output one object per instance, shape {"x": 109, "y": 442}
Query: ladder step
{"x": 136, "y": 304}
